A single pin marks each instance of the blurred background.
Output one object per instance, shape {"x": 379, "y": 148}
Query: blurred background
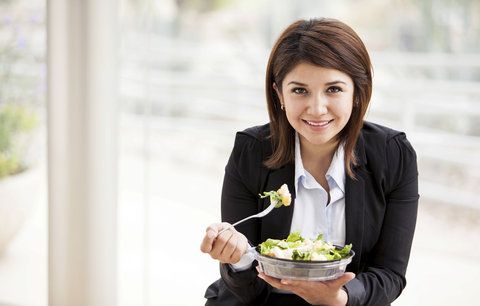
{"x": 191, "y": 74}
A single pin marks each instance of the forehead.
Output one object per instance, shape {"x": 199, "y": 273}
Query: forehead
{"x": 308, "y": 73}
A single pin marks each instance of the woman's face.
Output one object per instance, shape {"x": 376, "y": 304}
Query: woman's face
{"x": 318, "y": 102}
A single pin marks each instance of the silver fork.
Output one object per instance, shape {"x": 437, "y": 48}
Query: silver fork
{"x": 261, "y": 214}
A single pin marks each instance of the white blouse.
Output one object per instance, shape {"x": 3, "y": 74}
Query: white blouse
{"x": 313, "y": 214}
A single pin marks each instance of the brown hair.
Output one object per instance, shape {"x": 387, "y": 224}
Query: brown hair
{"x": 328, "y": 43}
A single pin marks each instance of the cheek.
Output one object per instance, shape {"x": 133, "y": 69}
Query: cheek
{"x": 346, "y": 111}
{"x": 293, "y": 113}
{"x": 349, "y": 110}
{"x": 343, "y": 109}
{"x": 294, "y": 107}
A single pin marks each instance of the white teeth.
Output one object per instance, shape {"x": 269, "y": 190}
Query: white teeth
{"x": 318, "y": 123}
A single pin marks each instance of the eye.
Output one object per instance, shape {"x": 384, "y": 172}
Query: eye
{"x": 299, "y": 91}
{"x": 334, "y": 89}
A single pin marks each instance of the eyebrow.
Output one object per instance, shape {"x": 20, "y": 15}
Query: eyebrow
{"x": 296, "y": 83}
{"x": 335, "y": 82}
{"x": 327, "y": 84}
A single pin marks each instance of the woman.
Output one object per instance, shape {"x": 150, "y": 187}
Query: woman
{"x": 351, "y": 180}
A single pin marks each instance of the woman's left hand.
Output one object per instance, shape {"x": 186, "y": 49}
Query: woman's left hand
{"x": 314, "y": 292}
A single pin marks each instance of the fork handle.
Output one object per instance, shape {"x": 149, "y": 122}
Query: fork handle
{"x": 236, "y": 223}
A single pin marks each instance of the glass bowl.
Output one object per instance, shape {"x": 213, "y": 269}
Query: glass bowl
{"x": 302, "y": 270}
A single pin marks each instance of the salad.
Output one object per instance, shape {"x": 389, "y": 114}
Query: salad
{"x": 295, "y": 247}
{"x": 280, "y": 197}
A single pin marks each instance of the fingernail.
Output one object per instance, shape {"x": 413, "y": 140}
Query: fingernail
{"x": 285, "y": 282}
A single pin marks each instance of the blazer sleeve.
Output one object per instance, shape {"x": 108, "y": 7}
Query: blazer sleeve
{"x": 241, "y": 186}
{"x": 383, "y": 278}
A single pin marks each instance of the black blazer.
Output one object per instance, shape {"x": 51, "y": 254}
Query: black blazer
{"x": 380, "y": 212}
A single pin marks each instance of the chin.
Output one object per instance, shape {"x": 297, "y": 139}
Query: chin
{"x": 319, "y": 141}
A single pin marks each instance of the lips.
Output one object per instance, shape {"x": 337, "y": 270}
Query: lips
{"x": 317, "y": 123}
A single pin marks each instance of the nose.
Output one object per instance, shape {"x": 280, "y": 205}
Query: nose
{"x": 319, "y": 104}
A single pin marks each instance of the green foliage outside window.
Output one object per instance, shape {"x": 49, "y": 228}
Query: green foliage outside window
{"x": 15, "y": 122}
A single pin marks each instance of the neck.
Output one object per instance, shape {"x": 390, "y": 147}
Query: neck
{"x": 317, "y": 158}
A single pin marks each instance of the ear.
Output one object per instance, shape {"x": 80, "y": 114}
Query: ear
{"x": 356, "y": 102}
{"x": 279, "y": 94}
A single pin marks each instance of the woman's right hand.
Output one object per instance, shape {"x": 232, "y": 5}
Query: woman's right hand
{"x": 228, "y": 247}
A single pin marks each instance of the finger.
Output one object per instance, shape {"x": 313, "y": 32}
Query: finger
{"x": 342, "y": 280}
{"x": 206, "y": 245}
{"x": 208, "y": 239}
{"x": 226, "y": 225}
{"x": 289, "y": 282}
{"x": 217, "y": 227}
{"x": 219, "y": 244}
{"x": 241, "y": 249}
{"x": 274, "y": 282}
{"x": 230, "y": 247}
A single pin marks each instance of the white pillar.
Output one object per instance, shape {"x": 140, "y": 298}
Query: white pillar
{"x": 82, "y": 153}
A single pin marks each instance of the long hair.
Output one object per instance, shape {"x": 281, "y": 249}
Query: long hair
{"x": 328, "y": 43}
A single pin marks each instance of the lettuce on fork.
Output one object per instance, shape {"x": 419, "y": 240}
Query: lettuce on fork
{"x": 280, "y": 197}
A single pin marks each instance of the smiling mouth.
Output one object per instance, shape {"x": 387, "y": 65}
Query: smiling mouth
{"x": 322, "y": 123}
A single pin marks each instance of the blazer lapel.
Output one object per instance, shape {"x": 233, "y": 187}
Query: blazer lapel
{"x": 277, "y": 224}
{"x": 354, "y": 216}
{"x": 355, "y": 206}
